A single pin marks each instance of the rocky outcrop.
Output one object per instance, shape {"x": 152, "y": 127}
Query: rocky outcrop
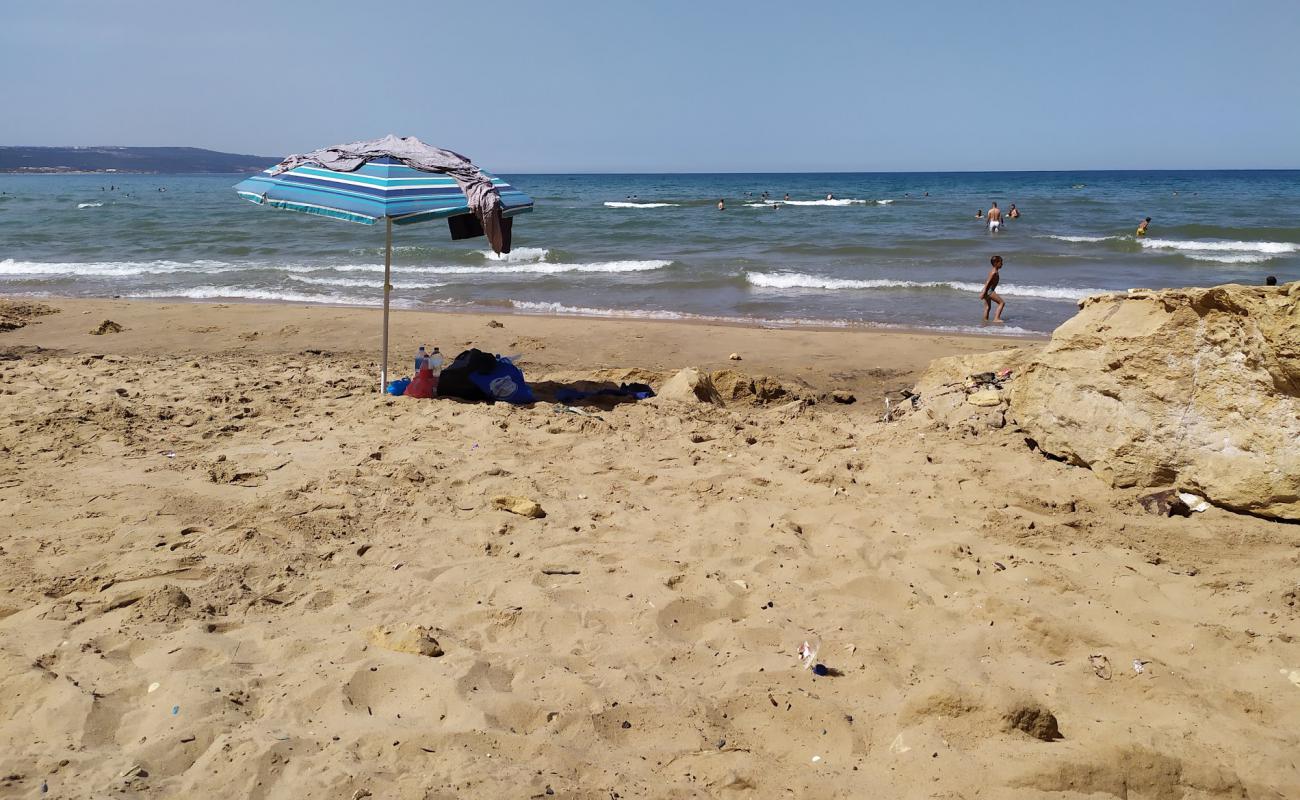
{"x": 1198, "y": 389}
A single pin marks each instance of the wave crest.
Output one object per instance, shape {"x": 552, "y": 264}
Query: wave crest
{"x": 790, "y": 280}
{"x": 630, "y": 204}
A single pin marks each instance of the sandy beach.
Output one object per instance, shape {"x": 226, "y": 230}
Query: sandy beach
{"x": 228, "y": 566}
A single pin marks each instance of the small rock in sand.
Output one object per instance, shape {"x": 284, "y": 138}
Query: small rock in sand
{"x": 519, "y": 505}
{"x": 843, "y": 396}
{"x": 494, "y": 324}
{"x": 1165, "y": 503}
{"x": 986, "y": 398}
{"x": 690, "y": 385}
{"x": 107, "y": 326}
{"x": 734, "y": 356}
{"x": 414, "y": 639}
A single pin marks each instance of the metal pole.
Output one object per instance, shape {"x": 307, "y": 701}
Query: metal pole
{"x": 388, "y": 287}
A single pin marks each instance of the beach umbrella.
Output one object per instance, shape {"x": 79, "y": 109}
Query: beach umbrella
{"x": 396, "y": 180}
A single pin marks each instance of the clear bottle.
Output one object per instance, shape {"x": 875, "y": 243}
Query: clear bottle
{"x": 420, "y": 357}
{"x": 436, "y": 361}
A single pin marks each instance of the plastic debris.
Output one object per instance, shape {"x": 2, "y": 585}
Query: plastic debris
{"x": 153, "y": 687}
{"x": 808, "y": 651}
{"x": 815, "y": 759}
{"x": 1194, "y": 502}
{"x": 897, "y": 747}
{"x": 176, "y": 710}
{"x": 1140, "y": 666}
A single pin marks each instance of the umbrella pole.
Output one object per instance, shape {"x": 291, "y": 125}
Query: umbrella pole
{"x": 388, "y": 268}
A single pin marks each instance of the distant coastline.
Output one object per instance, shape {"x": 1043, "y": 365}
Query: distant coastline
{"x": 126, "y": 160}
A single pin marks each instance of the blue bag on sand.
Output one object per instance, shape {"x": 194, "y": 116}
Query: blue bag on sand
{"x": 398, "y": 387}
{"x": 505, "y": 382}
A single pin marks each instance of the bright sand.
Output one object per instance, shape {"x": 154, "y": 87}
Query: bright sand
{"x": 200, "y": 524}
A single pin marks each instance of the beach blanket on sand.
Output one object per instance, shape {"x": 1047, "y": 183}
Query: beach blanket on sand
{"x": 484, "y": 200}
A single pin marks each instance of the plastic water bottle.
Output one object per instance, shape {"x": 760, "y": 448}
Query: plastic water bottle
{"x": 420, "y": 357}
{"x": 435, "y": 361}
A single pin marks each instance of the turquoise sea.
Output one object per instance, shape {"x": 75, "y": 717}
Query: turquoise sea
{"x": 895, "y": 249}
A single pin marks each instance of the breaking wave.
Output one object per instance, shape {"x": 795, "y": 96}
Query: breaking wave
{"x": 234, "y": 293}
{"x": 89, "y": 205}
{"x": 518, "y": 254}
{"x": 630, "y": 204}
{"x": 1191, "y": 246}
{"x": 790, "y": 280}
{"x": 1083, "y": 238}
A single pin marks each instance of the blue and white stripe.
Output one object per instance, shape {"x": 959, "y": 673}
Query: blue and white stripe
{"x": 381, "y": 188}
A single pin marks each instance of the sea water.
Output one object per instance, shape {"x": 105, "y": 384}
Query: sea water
{"x": 895, "y": 249}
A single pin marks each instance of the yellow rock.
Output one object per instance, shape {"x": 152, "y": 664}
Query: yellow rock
{"x": 985, "y": 398}
{"x": 1193, "y": 388}
{"x": 414, "y": 639}
{"x": 519, "y": 505}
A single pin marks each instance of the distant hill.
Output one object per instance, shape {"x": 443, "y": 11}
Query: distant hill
{"x": 127, "y": 159}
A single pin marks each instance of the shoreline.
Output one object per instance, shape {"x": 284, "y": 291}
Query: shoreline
{"x": 974, "y": 330}
{"x": 866, "y": 361}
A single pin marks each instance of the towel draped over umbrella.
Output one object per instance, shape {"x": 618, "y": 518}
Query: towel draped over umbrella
{"x": 400, "y": 180}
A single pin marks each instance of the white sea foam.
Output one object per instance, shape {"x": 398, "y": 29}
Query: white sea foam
{"x": 11, "y": 266}
{"x": 1231, "y": 258}
{"x": 93, "y": 269}
{"x": 544, "y": 269}
{"x": 89, "y": 205}
{"x": 362, "y": 283}
{"x": 1083, "y": 238}
{"x": 835, "y": 202}
{"x": 621, "y": 204}
{"x": 1271, "y": 248}
{"x": 790, "y": 280}
{"x": 235, "y": 293}
{"x": 533, "y": 307}
{"x": 518, "y": 254}
{"x": 884, "y": 202}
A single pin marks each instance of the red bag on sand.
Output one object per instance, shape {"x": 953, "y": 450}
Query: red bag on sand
{"x": 425, "y": 384}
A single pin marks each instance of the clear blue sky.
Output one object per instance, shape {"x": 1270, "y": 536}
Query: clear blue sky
{"x": 706, "y": 85}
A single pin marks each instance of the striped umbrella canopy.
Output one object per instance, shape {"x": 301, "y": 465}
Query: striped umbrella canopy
{"x": 381, "y": 189}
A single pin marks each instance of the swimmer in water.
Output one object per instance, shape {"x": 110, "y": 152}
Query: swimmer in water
{"x": 979, "y": 214}
{"x": 722, "y": 205}
{"x": 830, "y": 196}
{"x": 995, "y": 219}
{"x": 1142, "y": 227}
{"x": 1013, "y": 212}
{"x": 787, "y": 197}
{"x": 988, "y": 295}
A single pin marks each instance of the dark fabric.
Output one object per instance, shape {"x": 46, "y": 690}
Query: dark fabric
{"x": 455, "y": 378}
{"x": 465, "y": 226}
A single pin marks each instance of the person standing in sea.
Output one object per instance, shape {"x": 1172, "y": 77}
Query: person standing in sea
{"x": 1142, "y": 227}
{"x": 995, "y": 219}
{"x": 987, "y": 294}
{"x": 722, "y": 205}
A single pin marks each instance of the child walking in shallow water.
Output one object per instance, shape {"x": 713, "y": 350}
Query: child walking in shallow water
{"x": 988, "y": 295}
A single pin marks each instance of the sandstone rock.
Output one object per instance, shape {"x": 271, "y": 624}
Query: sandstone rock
{"x": 843, "y": 396}
{"x": 692, "y": 386}
{"x": 414, "y": 639}
{"x": 1198, "y": 389}
{"x": 734, "y": 356}
{"x": 985, "y": 398}
{"x": 519, "y": 505}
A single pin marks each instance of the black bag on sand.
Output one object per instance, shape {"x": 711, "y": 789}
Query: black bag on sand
{"x": 454, "y": 380}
